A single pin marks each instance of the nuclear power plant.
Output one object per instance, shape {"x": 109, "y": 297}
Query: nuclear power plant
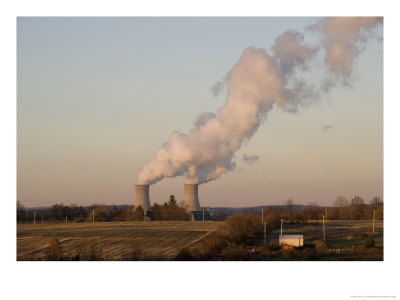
{"x": 142, "y": 197}
{"x": 191, "y": 200}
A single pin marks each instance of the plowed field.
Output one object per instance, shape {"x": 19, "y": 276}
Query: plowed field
{"x": 112, "y": 241}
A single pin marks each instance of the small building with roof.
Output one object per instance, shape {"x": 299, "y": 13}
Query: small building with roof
{"x": 291, "y": 240}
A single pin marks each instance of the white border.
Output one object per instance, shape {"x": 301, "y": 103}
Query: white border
{"x": 160, "y": 280}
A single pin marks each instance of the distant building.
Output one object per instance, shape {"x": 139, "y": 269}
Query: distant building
{"x": 291, "y": 240}
{"x": 200, "y": 215}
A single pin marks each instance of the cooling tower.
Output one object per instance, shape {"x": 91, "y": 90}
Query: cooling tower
{"x": 191, "y": 200}
{"x": 142, "y": 197}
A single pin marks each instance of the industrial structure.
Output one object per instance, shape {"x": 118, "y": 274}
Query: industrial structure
{"x": 142, "y": 197}
{"x": 191, "y": 200}
{"x": 203, "y": 215}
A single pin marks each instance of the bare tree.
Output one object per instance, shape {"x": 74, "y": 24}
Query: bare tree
{"x": 357, "y": 201}
{"x": 20, "y": 211}
{"x": 376, "y": 201}
{"x": 312, "y": 211}
{"x": 357, "y": 208}
{"x": 341, "y": 201}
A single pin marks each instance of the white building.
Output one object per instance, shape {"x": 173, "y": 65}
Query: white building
{"x": 291, "y": 240}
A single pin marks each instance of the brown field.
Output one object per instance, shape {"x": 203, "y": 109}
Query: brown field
{"x": 163, "y": 240}
{"x": 112, "y": 240}
{"x": 338, "y": 233}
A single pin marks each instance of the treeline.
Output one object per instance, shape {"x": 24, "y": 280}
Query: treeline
{"x": 169, "y": 211}
{"x": 342, "y": 209}
{"x": 74, "y": 213}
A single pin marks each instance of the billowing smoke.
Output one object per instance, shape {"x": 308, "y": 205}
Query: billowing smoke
{"x": 290, "y": 53}
{"x": 218, "y": 87}
{"x": 257, "y": 82}
{"x": 343, "y": 40}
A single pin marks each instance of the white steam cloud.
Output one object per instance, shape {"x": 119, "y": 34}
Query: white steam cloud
{"x": 343, "y": 40}
{"x": 256, "y": 83}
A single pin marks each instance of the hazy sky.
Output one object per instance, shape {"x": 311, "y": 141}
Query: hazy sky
{"x": 96, "y": 97}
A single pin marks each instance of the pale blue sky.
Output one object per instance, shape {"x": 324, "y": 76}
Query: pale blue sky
{"x": 98, "y": 96}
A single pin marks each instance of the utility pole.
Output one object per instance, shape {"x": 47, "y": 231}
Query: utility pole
{"x": 265, "y": 234}
{"x": 34, "y": 217}
{"x": 281, "y": 225}
{"x": 373, "y": 224}
{"x": 262, "y": 215}
{"x": 323, "y": 225}
{"x": 203, "y": 215}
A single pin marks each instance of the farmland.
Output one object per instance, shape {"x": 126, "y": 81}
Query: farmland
{"x": 163, "y": 240}
{"x": 112, "y": 240}
{"x": 338, "y": 234}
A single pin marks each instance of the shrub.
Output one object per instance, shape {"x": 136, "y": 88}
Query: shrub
{"x": 289, "y": 253}
{"x": 235, "y": 253}
{"x": 213, "y": 245}
{"x": 54, "y": 250}
{"x": 184, "y": 255}
{"x": 370, "y": 243}
{"x": 100, "y": 212}
{"x": 320, "y": 247}
{"x": 264, "y": 251}
{"x": 365, "y": 253}
{"x": 309, "y": 253}
{"x": 274, "y": 246}
{"x": 242, "y": 227}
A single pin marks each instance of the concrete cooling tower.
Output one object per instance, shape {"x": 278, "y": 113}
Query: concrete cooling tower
{"x": 142, "y": 197}
{"x": 191, "y": 200}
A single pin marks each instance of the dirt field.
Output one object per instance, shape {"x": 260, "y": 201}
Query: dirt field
{"x": 112, "y": 241}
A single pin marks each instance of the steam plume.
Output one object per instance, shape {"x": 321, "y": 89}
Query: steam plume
{"x": 257, "y": 82}
{"x": 343, "y": 39}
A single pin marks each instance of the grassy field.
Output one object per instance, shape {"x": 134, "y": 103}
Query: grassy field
{"x": 112, "y": 240}
{"x": 338, "y": 234}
